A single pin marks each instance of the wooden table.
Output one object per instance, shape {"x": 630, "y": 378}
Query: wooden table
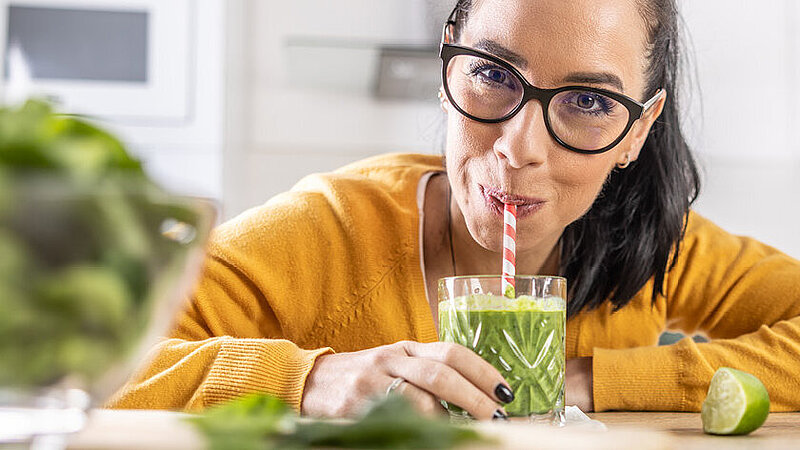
{"x": 117, "y": 430}
{"x": 781, "y": 430}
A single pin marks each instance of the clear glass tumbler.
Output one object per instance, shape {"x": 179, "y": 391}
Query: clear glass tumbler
{"x": 522, "y": 337}
{"x": 91, "y": 275}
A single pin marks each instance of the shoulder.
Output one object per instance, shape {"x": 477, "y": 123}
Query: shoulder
{"x": 707, "y": 244}
{"x": 384, "y": 184}
{"x": 394, "y": 164}
{"x": 701, "y": 231}
{"x": 326, "y": 244}
{"x": 396, "y": 174}
{"x": 703, "y": 234}
{"x": 360, "y": 210}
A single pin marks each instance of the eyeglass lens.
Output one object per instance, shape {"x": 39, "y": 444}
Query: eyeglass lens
{"x": 583, "y": 119}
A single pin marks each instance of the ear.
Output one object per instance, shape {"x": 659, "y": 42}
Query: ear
{"x": 443, "y": 100}
{"x": 641, "y": 128}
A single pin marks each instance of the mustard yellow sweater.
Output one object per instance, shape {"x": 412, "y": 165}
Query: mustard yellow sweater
{"x": 334, "y": 264}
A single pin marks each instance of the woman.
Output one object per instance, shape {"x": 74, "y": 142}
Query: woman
{"x": 594, "y": 158}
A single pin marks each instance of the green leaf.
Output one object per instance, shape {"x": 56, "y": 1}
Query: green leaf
{"x": 33, "y": 137}
{"x": 262, "y": 422}
{"x": 246, "y": 423}
{"x": 391, "y": 423}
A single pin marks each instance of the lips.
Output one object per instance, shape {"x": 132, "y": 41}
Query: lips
{"x": 496, "y": 200}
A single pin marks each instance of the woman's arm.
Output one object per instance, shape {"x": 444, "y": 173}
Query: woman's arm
{"x": 218, "y": 350}
{"x": 192, "y": 375}
{"x": 194, "y": 370}
{"x": 742, "y": 294}
{"x": 290, "y": 276}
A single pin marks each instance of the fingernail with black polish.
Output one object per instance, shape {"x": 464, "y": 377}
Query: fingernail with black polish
{"x": 504, "y": 393}
{"x": 498, "y": 415}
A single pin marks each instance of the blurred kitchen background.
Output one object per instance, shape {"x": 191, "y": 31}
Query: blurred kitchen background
{"x": 238, "y": 99}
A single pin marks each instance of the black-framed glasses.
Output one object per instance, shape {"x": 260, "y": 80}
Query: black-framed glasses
{"x": 488, "y": 89}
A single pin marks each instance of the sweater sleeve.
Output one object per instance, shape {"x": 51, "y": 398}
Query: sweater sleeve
{"x": 226, "y": 343}
{"x": 742, "y": 294}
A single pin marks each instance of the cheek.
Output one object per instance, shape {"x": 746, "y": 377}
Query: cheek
{"x": 470, "y": 159}
{"x": 468, "y": 149}
{"x": 578, "y": 180}
{"x": 467, "y": 138}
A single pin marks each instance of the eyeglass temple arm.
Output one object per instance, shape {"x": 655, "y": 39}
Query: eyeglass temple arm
{"x": 652, "y": 100}
{"x": 447, "y": 35}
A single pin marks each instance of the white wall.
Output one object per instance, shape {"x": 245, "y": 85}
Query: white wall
{"x": 186, "y": 156}
{"x": 294, "y": 122}
{"x": 174, "y": 120}
{"x": 745, "y": 127}
{"x": 293, "y": 128}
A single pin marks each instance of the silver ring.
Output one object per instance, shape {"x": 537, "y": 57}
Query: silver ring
{"x": 395, "y": 384}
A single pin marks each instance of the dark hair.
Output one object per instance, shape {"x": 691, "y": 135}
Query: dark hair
{"x": 632, "y": 232}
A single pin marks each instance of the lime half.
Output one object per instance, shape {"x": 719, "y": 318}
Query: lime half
{"x": 737, "y": 403}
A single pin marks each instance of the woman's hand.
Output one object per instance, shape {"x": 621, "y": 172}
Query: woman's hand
{"x": 579, "y": 383}
{"x": 340, "y": 385}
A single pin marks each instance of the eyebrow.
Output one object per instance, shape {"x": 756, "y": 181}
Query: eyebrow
{"x": 501, "y": 52}
{"x": 518, "y": 61}
{"x": 595, "y": 78}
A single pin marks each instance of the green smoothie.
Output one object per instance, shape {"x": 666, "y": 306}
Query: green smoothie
{"x": 523, "y": 338}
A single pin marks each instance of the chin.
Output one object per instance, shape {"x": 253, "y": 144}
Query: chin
{"x": 488, "y": 235}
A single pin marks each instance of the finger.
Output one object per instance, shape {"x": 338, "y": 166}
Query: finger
{"x": 422, "y": 400}
{"x": 445, "y": 383}
{"x": 466, "y": 362}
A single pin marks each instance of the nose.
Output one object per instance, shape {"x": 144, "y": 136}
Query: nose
{"x": 524, "y": 139}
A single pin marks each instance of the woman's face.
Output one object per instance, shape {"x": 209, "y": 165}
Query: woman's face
{"x": 556, "y": 42}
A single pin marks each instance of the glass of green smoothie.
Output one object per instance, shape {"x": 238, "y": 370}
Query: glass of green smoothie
{"x": 523, "y": 337}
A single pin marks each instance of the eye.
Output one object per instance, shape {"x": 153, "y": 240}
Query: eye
{"x": 492, "y": 74}
{"x": 585, "y": 101}
{"x": 588, "y": 102}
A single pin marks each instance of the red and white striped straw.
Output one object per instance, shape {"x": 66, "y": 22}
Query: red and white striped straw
{"x": 509, "y": 250}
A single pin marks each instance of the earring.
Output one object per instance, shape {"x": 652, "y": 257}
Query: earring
{"x": 626, "y": 163}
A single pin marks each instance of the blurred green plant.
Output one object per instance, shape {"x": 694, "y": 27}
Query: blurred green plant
{"x": 259, "y": 421}
{"x": 34, "y": 137}
{"x": 81, "y": 244}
